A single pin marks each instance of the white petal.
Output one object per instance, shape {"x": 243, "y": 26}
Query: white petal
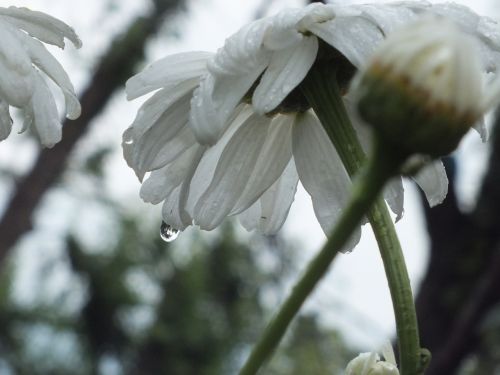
{"x": 168, "y": 72}
{"x": 45, "y": 116}
{"x": 5, "y": 120}
{"x": 48, "y": 64}
{"x": 231, "y": 175}
{"x": 157, "y": 113}
{"x": 40, "y": 25}
{"x": 354, "y": 37}
{"x": 209, "y": 117}
{"x": 206, "y": 168}
{"x": 321, "y": 172}
{"x": 235, "y": 68}
{"x": 286, "y": 70}
{"x": 251, "y": 216}
{"x": 277, "y": 200}
{"x": 174, "y": 210}
{"x": 480, "y": 127}
{"x": 270, "y": 212}
{"x": 164, "y": 180}
{"x": 389, "y": 16}
{"x": 273, "y": 158}
{"x": 242, "y": 51}
{"x": 154, "y": 149}
{"x": 12, "y": 53}
{"x": 394, "y": 195}
{"x": 283, "y": 30}
{"x": 433, "y": 181}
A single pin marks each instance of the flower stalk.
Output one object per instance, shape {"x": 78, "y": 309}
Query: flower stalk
{"x": 365, "y": 193}
{"x": 323, "y": 93}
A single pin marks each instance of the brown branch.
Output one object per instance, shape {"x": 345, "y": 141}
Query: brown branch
{"x": 114, "y": 69}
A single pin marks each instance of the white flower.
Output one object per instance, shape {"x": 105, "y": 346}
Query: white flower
{"x": 22, "y": 59}
{"x": 371, "y": 364}
{"x": 246, "y": 105}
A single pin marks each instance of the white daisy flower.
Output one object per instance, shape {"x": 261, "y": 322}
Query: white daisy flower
{"x": 264, "y": 138}
{"x": 372, "y": 364}
{"x": 23, "y": 57}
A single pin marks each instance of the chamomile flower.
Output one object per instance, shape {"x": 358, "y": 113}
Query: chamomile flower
{"x": 23, "y": 58}
{"x": 248, "y": 133}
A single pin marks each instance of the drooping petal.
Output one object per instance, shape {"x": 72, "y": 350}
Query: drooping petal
{"x": 353, "y": 36}
{"x": 480, "y": 127}
{"x": 233, "y": 70}
{"x": 232, "y": 173}
{"x": 40, "y": 25}
{"x": 277, "y": 200}
{"x": 242, "y": 52}
{"x": 394, "y": 195}
{"x": 286, "y": 70}
{"x": 153, "y": 149}
{"x": 174, "y": 210}
{"x": 168, "y": 72}
{"x": 270, "y": 212}
{"x": 5, "y": 120}
{"x": 208, "y": 163}
{"x": 250, "y": 218}
{"x": 163, "y": 181}
{"x": 283, "y": 30}
{"x": 321, "y": 172}
{"x": 50, "y": 66}
{"x": 274, "y": 156}
{"x": 433, "y": 181}
{"x": 45, "y": 116}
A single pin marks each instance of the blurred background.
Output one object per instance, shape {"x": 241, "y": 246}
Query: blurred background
{"x": 87, "y": 286}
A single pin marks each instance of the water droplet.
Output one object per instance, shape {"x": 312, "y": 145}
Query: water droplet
{"x": 167, "y": 233}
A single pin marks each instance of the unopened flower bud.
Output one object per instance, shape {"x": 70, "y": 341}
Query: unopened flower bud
{"x": 372, "y": 364}
{"x": 423, "y": 89}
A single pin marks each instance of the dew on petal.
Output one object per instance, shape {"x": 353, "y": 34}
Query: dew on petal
{"x": 168, "y": 233}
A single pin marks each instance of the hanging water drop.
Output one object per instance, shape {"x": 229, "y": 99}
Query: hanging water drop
{"x": 168, "y": 233}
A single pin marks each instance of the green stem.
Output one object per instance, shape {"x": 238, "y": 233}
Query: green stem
{"x": 322, "y": 91}
{"x": 365, "y": 192}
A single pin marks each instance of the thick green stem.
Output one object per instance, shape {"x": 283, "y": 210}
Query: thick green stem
{"x": 365, "y": 192}
{"x": 322, "y": 91}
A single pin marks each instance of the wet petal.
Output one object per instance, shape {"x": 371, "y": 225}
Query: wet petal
{"x": 232, "y": 173}
{"x": 168, "y": 72}
{"x": 152, "y": 150}
{"x": 46, "y": 28}
{"x": 394, "y": 195}
{"x": 269, "y": 213}
{"x": 45, "y": 116}
{"x": 321, "y": 172}
{"x": 164, "y": 180}
{"x": 433, "y": 181}
{"x": 50, "y": 66}
{"x": 5, "y": 120}
{"x": 277, "y": 200}
{"x": 354, "y": 37}
{"x": 273, "y": 158}
{"x": 286, "y": 70}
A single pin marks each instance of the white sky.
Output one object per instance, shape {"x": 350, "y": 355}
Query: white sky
{"x": 354, "y": 297}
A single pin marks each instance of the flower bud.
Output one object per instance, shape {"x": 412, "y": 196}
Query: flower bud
{"x": 422, "y": 90}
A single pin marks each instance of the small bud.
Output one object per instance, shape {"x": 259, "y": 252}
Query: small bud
{"x": 371, "y": 364}
{"x": 422, "y": 90}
